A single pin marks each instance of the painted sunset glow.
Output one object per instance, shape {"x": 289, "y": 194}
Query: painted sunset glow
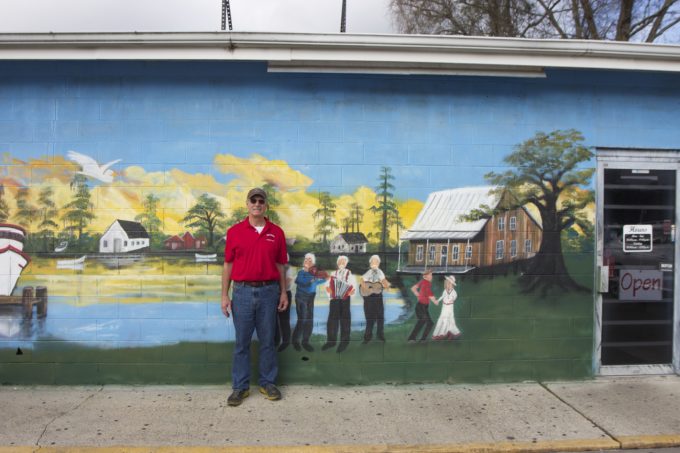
{"x": 227, "y": 181}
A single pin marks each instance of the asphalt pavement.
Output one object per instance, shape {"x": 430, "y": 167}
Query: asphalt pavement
{"x": 593, "y": 415}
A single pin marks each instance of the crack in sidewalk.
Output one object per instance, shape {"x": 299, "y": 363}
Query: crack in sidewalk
{"x": 78, "y": 406}
{"x": 575, "y": 409}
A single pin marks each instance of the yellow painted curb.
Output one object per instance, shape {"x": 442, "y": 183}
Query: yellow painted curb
{"x": 491, "y": 447}
{"x": 660, "y": 441}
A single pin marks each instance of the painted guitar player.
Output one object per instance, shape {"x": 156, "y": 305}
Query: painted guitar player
{"x": 371, "y": 288}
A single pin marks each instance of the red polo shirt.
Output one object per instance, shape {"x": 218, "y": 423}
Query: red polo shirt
{"x": 255, "y": 255}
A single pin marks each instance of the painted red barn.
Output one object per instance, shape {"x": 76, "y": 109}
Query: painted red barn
{"x": 174, "y": 243}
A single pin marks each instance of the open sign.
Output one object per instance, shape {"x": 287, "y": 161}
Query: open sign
{"x": 635, "y": 284}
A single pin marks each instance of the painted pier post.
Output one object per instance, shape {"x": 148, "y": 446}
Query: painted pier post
{"x": 27, "y": 302}
{"x": 41, "y": 301}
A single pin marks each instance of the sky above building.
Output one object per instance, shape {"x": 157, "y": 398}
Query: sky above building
{"x": 304, "y": 16}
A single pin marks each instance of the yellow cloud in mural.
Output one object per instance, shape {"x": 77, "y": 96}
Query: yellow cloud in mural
{"x": 256, "y": 170}
{"x": 178, "y": 190}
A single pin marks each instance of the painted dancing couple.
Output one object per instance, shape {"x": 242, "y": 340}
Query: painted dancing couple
{"x": 446, "y": 328}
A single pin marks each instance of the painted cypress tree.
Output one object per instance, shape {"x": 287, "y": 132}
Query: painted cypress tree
{"x": 48, "y": 211}
{"x": 385, "y": 207}
{"x": 79, "y": 210}
{"x": 272, "y": 203}
{"x": 356, "y": 217}
{"x": 325, "y": 216}
{"x": 149, "y": 217}
{"x": 4, "y": 207}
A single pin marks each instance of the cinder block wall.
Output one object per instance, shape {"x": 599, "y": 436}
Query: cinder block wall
{"x": 178, "y": 131}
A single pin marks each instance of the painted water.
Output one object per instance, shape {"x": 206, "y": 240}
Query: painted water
{"x": 144, "y": 301}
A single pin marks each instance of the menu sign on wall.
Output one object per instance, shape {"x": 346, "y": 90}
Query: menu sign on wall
{"x": 637, "y": 238}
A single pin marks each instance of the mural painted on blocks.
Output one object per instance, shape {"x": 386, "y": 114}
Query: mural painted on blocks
{"x": 110, "y": 248}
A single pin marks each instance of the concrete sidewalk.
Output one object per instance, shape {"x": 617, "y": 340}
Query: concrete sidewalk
{"x": 610, "y": 413}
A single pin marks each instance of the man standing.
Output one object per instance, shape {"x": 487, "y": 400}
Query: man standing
{"x": 254, "y": 259}
{"x": 423, "y": 291}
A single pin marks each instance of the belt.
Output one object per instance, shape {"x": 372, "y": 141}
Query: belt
{"x": 257, "y": 283}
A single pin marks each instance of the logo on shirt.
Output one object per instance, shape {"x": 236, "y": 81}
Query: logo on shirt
{"x": 270, "y": 237}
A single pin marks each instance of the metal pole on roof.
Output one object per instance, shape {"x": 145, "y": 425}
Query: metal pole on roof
{"x": 226, "y": 14}
{"x": 343, "y": 17}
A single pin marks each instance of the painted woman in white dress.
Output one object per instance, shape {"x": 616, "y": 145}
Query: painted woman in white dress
{"x": 446, "y": 328}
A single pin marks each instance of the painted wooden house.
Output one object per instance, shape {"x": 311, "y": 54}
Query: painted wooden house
{"x": 349, "y": 243}
{"x": 124, "y": 236}
{"x": 442, "y": 239}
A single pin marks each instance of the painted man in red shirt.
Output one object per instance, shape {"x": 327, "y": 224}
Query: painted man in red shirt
{"x": 423, "y": 291}
{"x": 254, "y": 259}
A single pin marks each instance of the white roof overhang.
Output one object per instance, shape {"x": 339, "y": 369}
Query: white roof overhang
{"x": 399, "y": 54}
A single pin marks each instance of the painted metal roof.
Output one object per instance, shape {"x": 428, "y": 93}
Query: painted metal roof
{"x": 440, "y": 217}
{"x": 298, "y": 52}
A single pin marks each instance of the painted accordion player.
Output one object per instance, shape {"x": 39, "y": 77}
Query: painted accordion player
{"x": 340, "y": 289}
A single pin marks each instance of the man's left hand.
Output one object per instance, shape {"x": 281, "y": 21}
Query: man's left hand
{"x": 283, "y": 302}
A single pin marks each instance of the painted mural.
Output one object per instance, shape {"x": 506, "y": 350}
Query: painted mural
{"x": 412, "y": 259}
{"x": 148, "y": 241}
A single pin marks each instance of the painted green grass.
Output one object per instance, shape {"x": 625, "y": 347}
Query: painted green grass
{"x": 507, "y": 336}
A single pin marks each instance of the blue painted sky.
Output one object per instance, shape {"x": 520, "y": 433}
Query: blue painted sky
{"x": 435, "y": 133}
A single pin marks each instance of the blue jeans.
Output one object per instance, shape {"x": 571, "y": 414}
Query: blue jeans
{"x": 254, "y": 309}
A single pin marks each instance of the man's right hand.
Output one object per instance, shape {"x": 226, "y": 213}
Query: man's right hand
{"x": 226, "y": 305}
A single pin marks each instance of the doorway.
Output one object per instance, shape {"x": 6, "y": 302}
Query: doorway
{"x": 636, "y": 304}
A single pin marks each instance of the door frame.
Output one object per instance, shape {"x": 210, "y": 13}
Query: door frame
{"x": 643, "y": 159}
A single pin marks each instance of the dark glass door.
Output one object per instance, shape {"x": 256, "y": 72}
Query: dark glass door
{"x": 639, "y": 250}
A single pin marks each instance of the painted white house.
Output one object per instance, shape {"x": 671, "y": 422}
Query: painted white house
{"x": 124, "y": 236}
{"x": 349, "y": 243}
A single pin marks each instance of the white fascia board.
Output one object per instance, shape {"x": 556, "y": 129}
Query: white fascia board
{"x": 347, "y": 53}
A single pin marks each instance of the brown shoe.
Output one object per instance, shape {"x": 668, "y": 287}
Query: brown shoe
{"x": 271, "y": 392}
{"x": 237, "y": 397}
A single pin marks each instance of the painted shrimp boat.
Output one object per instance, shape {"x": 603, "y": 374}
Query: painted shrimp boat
{"x": 12, "y": 258}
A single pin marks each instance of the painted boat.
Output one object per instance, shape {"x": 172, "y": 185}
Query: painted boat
{"x": 12, "y": 263}
{"x": 202, "y": 258}
{"x": 12, "y": 235}
{"x": 71, "y": 264}
{"x": 61, "y": 247}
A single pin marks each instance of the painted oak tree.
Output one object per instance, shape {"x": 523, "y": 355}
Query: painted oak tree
{"x": 206, "y": 214}
{"x": 546, "y": 173}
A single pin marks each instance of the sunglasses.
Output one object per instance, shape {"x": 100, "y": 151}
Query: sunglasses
{"x": 257, "y": 200}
